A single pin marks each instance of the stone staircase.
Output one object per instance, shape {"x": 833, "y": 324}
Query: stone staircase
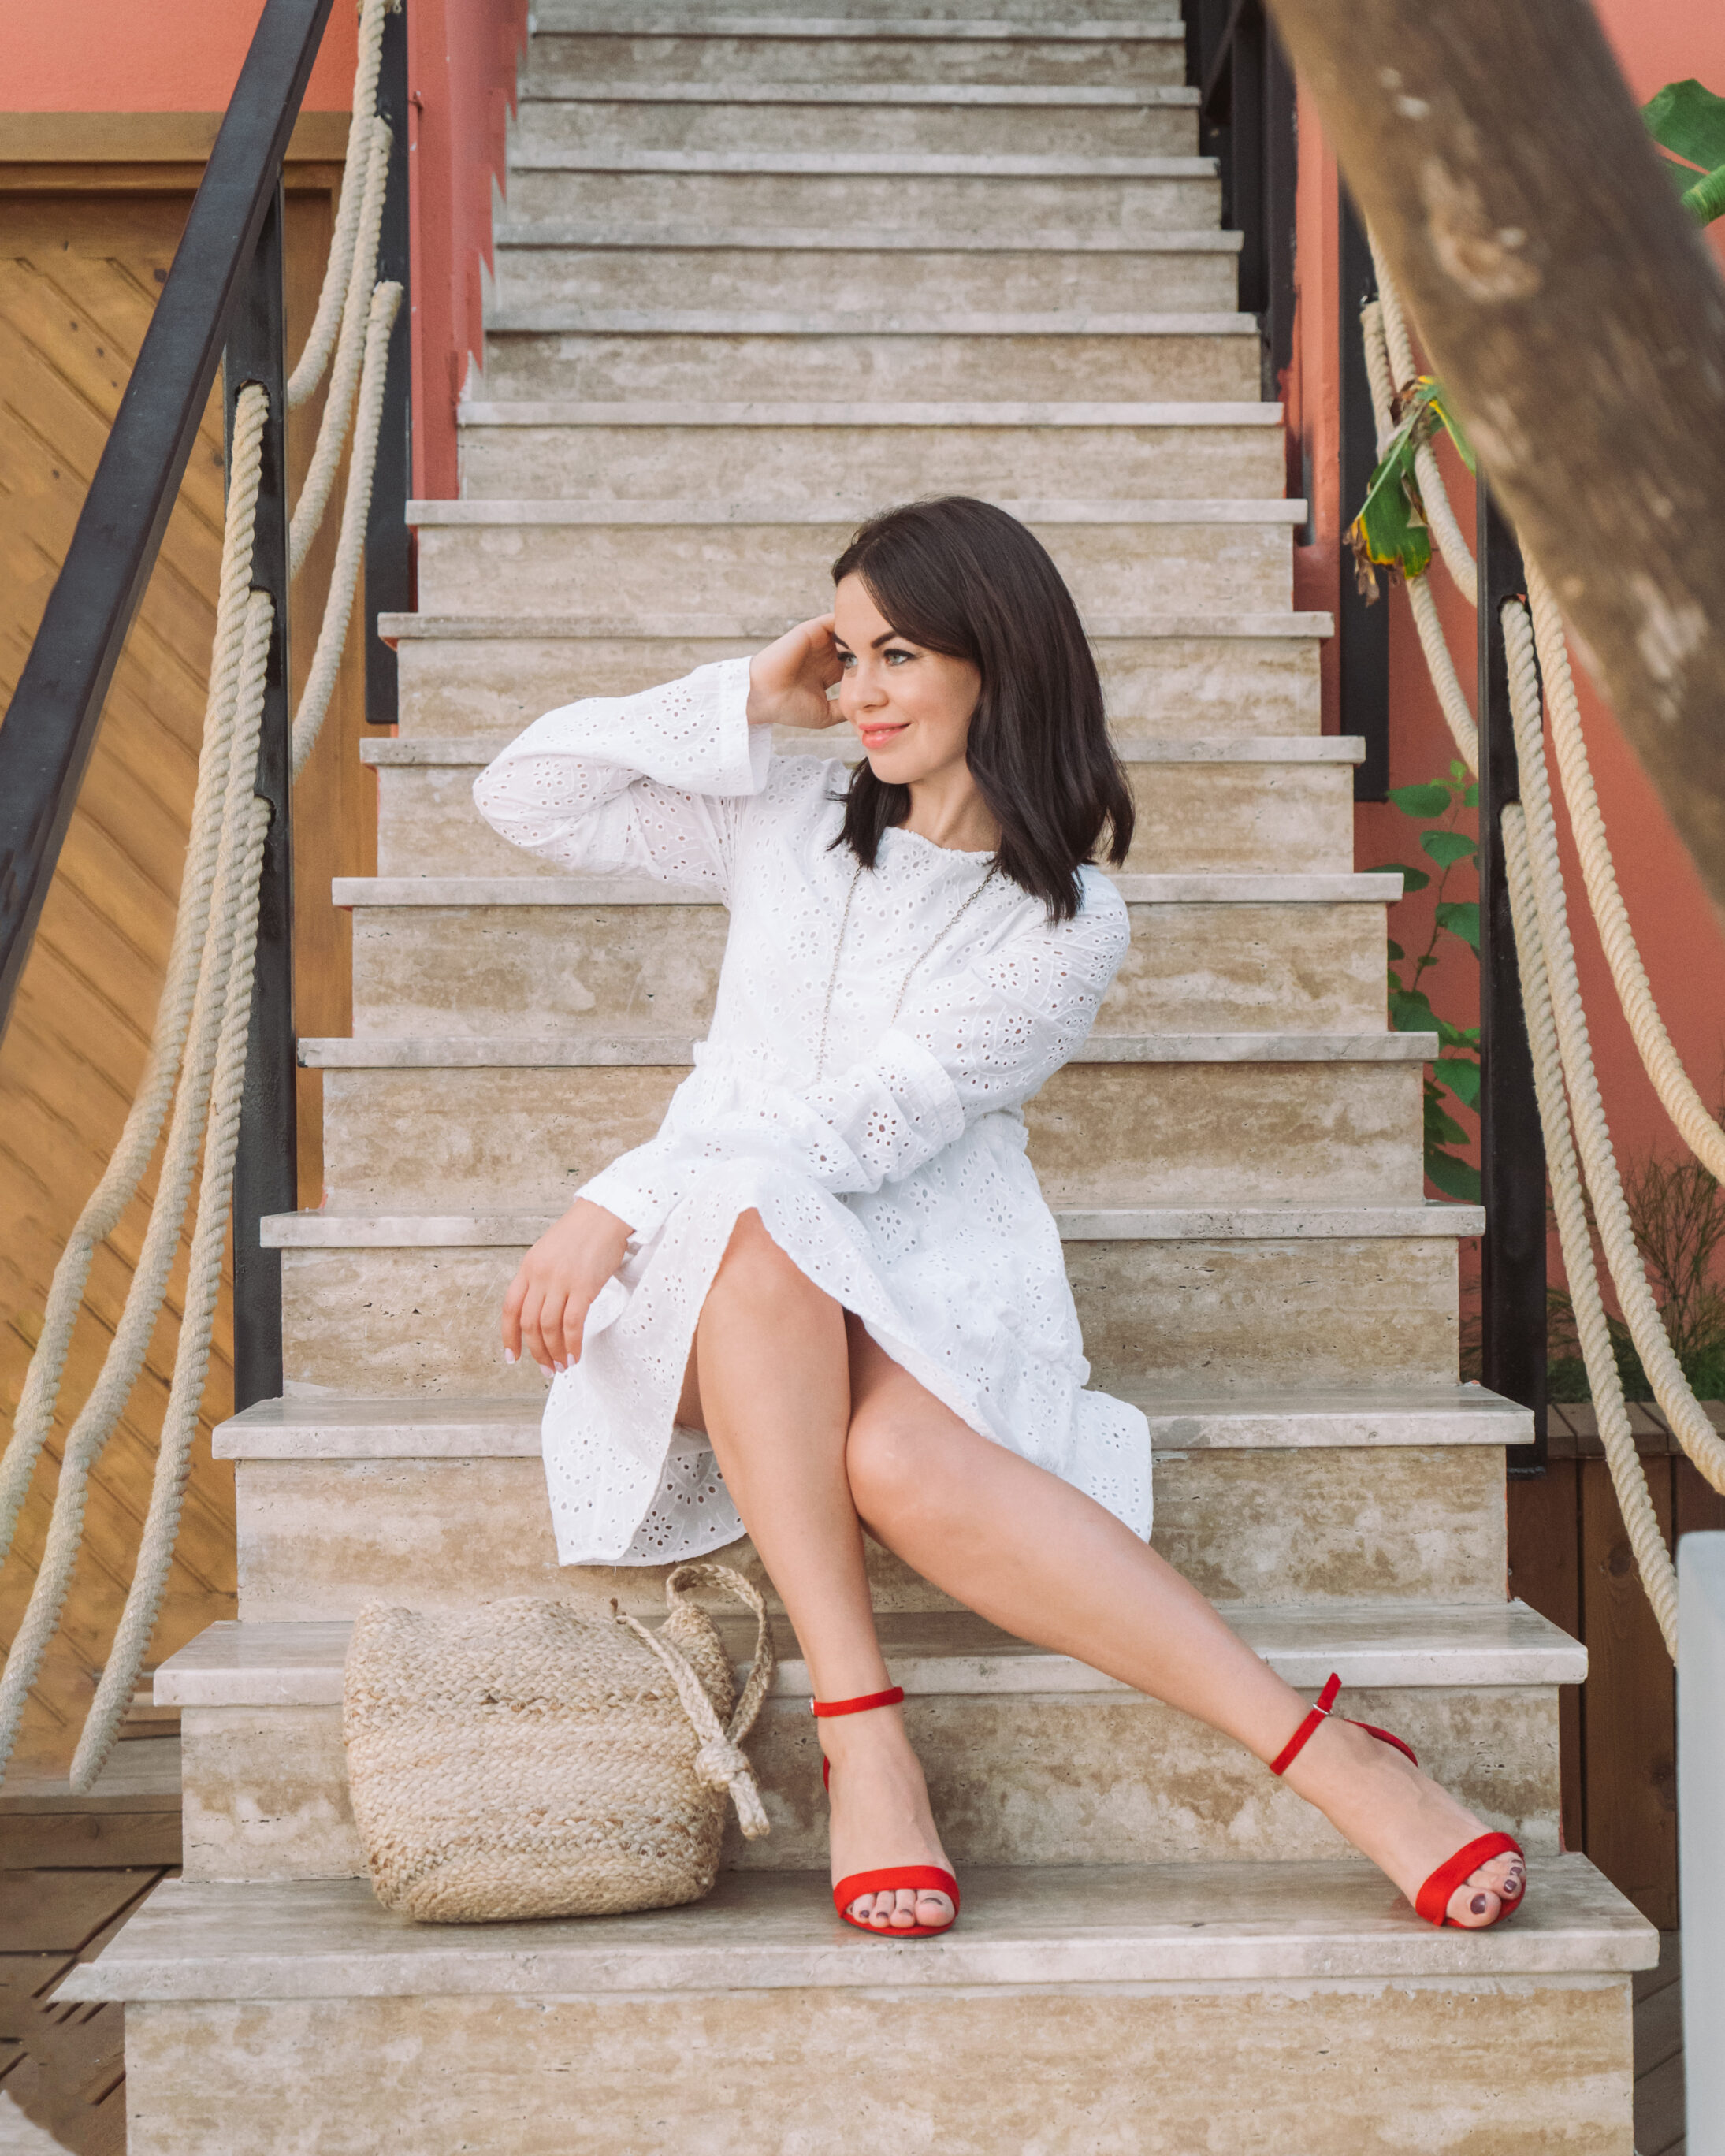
{"x": 758, "y": 277}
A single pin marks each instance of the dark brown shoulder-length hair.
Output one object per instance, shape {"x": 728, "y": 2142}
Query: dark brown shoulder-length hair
{"x": 962, "y": 578}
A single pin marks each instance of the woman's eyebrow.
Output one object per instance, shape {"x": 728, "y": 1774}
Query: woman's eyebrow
{"x": 892, "y": 634}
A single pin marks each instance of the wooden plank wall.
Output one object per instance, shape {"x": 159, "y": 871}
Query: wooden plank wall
{"x": 1570, "y": 1557}
{"x": 83, "y": 251}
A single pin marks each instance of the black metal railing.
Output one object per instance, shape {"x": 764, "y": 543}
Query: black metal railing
{"x": 1245, "y": 121}
{"x": 222, "y": 300}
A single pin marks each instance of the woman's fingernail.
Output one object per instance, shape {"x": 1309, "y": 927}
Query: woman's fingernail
{"x": 509, "y": 1354}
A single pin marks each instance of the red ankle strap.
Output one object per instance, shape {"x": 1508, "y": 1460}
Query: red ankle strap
{"x": 1296, "y": 1743}
{"x": 824, "y": 1707}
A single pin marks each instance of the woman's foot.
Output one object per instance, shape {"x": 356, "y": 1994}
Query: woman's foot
{"x": 1401, "y": 1820}
{"x": 881, "y": 1817}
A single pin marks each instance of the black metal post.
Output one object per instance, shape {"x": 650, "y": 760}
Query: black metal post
{"x": 389, "y": 565}
{"x": 1512, "y": 1147}
{"x": 265, "y": 1169}
{"x": 1246, "y": 121}
{"x": 1362, "y": 629}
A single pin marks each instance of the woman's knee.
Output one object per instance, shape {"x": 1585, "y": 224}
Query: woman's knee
{"x": 886, "y": 1458}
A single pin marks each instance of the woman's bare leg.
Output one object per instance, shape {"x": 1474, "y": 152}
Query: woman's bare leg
{"x": 1050, "y": 1565}
{"x": 770, "y": 1383}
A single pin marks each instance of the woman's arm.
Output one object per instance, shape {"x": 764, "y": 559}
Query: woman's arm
{"x": 655, "y": 784}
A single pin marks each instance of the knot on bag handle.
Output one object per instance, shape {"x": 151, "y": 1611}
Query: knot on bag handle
{"x": 720, "y": 1762}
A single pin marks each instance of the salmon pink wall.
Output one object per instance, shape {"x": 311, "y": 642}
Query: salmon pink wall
{"x": 150, "y": 55}
{"x": 462, "y": 59}
{"x": 1681, "y": 937}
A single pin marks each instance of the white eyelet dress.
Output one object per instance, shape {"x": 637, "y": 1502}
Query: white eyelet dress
{"x": 896, "y": 1180}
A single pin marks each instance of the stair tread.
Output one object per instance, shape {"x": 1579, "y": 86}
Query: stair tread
{"x": 570, "y": 412}
{"x": 1241, "y": 1921}
{"x": 319, "y": 1426}
{"x": 845, "y": 164}
{"x": 636, "y": 90}
{"x": 1382, "y": 1645}
{"x": 665, "y": 1050}
{"x": 551, "y": 320}
{"x": 332, "y": 1229}
{"x": 673, "y": 233}
{"x": 1316, "y": 889}
{"x": 399, "y": 627}
{"x": 457, "y": 750}
{"x": 566, "y": 509}
{"x": 673, "y": 23}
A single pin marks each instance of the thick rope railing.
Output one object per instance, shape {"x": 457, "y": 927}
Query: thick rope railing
{"x": 197, "y": 1052}
{"x": 1580, "y": 1159}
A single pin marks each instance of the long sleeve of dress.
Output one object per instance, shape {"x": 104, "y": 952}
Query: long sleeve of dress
{"x": 977, "y": 1041}
{"x": 650, "y": 785}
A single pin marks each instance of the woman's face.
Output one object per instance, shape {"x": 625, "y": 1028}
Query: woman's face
{"x": 912, "y": 707}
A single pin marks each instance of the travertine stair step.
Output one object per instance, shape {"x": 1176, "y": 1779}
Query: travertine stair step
{"x": 523, "y": 555}
{"x": 1031, "y": 1758}
{"x": 675, "y": 48}
{"x": 1218, "y": 676}
{"x": 549, "y": 954}
{"x": 1287, "y": 1498}
{"x": 1230, "y": 806}
{"x": 986, "y": 19}
{"x": 791, "y": 452}
{"x": 1159, "y": 2009}
{"x": 545, "y": 281}
{"x": 661, "y": 356}
{"x": 409, "y": 1303}
{"x": 968, "y": 120}
{"x": 420, "y": 1124}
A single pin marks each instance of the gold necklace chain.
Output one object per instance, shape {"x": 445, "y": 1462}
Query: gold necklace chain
{"x": 826, "y": 1012}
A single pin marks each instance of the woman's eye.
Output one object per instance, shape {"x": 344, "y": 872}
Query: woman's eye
{"x": 892, "y": 658}
{"x": 847, "y": 659}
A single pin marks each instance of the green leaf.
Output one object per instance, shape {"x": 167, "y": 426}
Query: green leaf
{"x": 1442, "y": 1128}
{"x": 1438, "y": 402}
{"x": 1446, "y": 848}
{"x": 1455, "y": 1178}
{"x": 1690, "y": 120}
{"x": 1394, "y": 949}
{"x": 1463, "y": 1037}
{"x": 1462, "y": 1079}
{"x": 1390, "y": 528}
{"x": 1706, "y": 199}
{"x": 1432, "y": 800}
{"x": 1413, "y": 879}
{"x": 1470, "y": 796}
{"x": 1462, "y": 920}
{"x": 1411, "y": 1012}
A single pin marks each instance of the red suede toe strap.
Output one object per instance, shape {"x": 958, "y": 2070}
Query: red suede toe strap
{"x": 929, "y": 1877}
{"x": 1433, "y": 1900}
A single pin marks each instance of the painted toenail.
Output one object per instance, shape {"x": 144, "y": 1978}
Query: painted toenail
{"x": 1478, "y": 1905}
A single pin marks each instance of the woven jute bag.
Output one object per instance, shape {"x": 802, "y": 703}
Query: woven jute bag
{"x": 527, "y": 1759}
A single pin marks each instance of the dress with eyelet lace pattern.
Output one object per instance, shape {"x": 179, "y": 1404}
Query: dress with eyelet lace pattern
{"x": 898, "y": 1182}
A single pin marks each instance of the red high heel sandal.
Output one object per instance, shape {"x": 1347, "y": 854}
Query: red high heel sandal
{"x": 929, "y": 1876}
{"x": 1433, "y": 1900}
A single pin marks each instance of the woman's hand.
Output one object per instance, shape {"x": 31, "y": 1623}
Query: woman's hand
{"x": 549, "y": 1298}
{"x": 788, "y": 681}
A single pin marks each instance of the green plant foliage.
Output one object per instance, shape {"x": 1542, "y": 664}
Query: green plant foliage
{"x": 1390, "y": 530}
{"x": 1687, "y": 120}
{"x": 1678, "y": 1211}
{"x": 1453, "y": 1080}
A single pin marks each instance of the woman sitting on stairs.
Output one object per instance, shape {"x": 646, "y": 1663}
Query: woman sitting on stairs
{"x": 828, "y": 1295}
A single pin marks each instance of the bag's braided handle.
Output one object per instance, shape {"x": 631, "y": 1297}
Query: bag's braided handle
{"x": 720, "y": 1762}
